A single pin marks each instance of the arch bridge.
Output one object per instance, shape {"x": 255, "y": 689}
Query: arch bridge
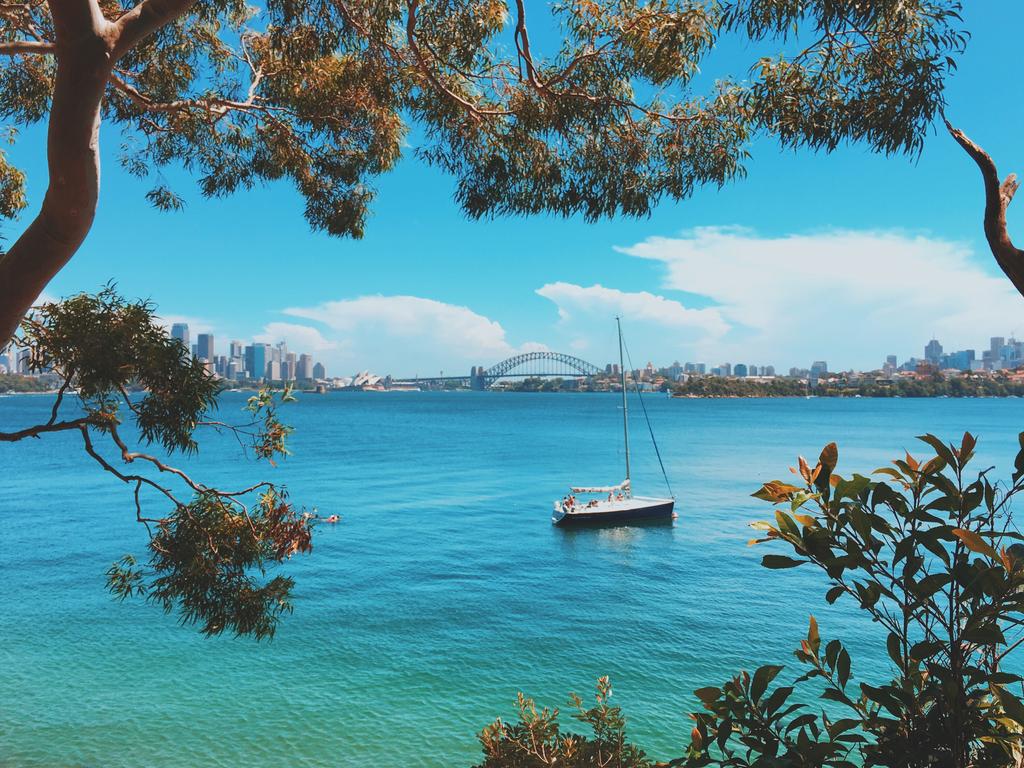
{"x": 532, "y": 364}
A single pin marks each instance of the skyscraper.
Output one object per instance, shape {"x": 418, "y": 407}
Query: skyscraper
{"x": 961, "y": 360}
{"x": 996, "y": 346}
{"x": 179, "y": 331}
{"x": 256, "y": 358}
{"x": 319, "y": 372}
{"x": 204, "y": 346}
{"x": 237, "y": 349}
{"x": 305, "y": 370}
{"x": 933, "y": 352}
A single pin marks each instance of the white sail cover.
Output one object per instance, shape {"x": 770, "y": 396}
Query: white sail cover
{"x": 623, "y": 486}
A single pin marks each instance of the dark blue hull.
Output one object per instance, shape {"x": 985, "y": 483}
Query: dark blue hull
{"x": 653, "y": 513}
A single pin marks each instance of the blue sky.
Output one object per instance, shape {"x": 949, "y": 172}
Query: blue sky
{"x": 844, "y": 257}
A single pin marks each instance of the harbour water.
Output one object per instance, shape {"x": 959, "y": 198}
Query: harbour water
{"x": 444, "y": 590}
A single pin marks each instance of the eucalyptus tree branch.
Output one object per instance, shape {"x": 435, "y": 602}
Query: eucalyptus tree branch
{"x": 129, "y": 479}
{"x": 998, "y": 196}
{"x": 68, "y": 209}
{"x": 215, "y": 106}
{"x": 41, "y": 429}
{"x": 128, "y": 456}
{"x": 145, "y": 19}
{"x": 58, "y": 400}
{"x": 27, "y": 47}
{"x": 477, "y": 112}
{"x": 522, "y": 40}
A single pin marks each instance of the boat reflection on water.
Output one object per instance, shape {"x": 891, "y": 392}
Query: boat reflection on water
{"x": 621, "y": 541}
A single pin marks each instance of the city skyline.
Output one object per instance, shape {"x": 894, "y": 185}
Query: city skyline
{"x": 278, "y": 363}
{"x": 1002, "y": 352}
{"x": 247, "y": 362}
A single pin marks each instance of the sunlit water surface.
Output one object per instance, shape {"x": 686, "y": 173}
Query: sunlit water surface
{"x": 444, "y": 590}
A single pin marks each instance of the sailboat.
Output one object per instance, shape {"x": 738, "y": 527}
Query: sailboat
{"x": 618, "y": 504}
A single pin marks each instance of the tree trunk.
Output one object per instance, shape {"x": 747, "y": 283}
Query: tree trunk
{"x": 87, "y": 46}
{"x": 997, "y": 199}
{"x": 83, "y": 66}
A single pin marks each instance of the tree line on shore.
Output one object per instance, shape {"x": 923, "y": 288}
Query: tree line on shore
{"x": 961, "y": 386}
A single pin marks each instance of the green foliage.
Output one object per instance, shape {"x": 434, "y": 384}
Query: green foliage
{"x": 610, "y": 120}
{"x": 13, "y": 382}
{"x": 874, "y": 75}
{"x": 960, "y": 386}
{"x": 103, "y": 344}
{"x": 209, "y": 552}
{"x": 718, "y": 386}
{"x": 203, "y": 557}
{"x": 12, "y": 189}
{"x": 929, "y": 552}
{"x": 966, "y": 385}
{"x": 536, "y": 740}
{"x": 272, "y": 436}
{"x": 537, "y": 384}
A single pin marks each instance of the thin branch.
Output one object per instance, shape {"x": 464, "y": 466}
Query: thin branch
{"x": 522, "y": 38}
{"x": 216, "y": 107}
{"x": 20, "y": 47}
{"x": 421, "y": 63}
{"x": 91, "y": 450}
{"x": 129, "y": 456}
{"x": 58, "y": 400}
{"x": 39, "y": 429}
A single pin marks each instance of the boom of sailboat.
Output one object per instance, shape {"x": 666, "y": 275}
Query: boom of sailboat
{"x": 613, "y": 504}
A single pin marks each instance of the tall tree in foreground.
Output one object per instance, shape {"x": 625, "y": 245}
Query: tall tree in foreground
{"x": 610, "y": 120}
{"x": 930, "y": 553}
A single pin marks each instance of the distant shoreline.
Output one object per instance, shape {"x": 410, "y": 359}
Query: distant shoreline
{"x": 758, "y": 396}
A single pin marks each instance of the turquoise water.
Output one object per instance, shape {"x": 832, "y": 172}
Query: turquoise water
{"x": 443, "y": 591}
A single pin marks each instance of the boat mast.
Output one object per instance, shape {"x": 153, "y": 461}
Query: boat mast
{"x": 625, "y": 407}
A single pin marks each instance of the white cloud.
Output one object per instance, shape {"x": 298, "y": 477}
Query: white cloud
{"x": 849, "y": 297}
{"x": 300, "y": 338}
{"x": 533, "y": 346}
{"x": 640, "y": 306}
{"x": 656, "y": 327}
{"x": 405, "y": 335}
{"x": 195, "y": 324}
